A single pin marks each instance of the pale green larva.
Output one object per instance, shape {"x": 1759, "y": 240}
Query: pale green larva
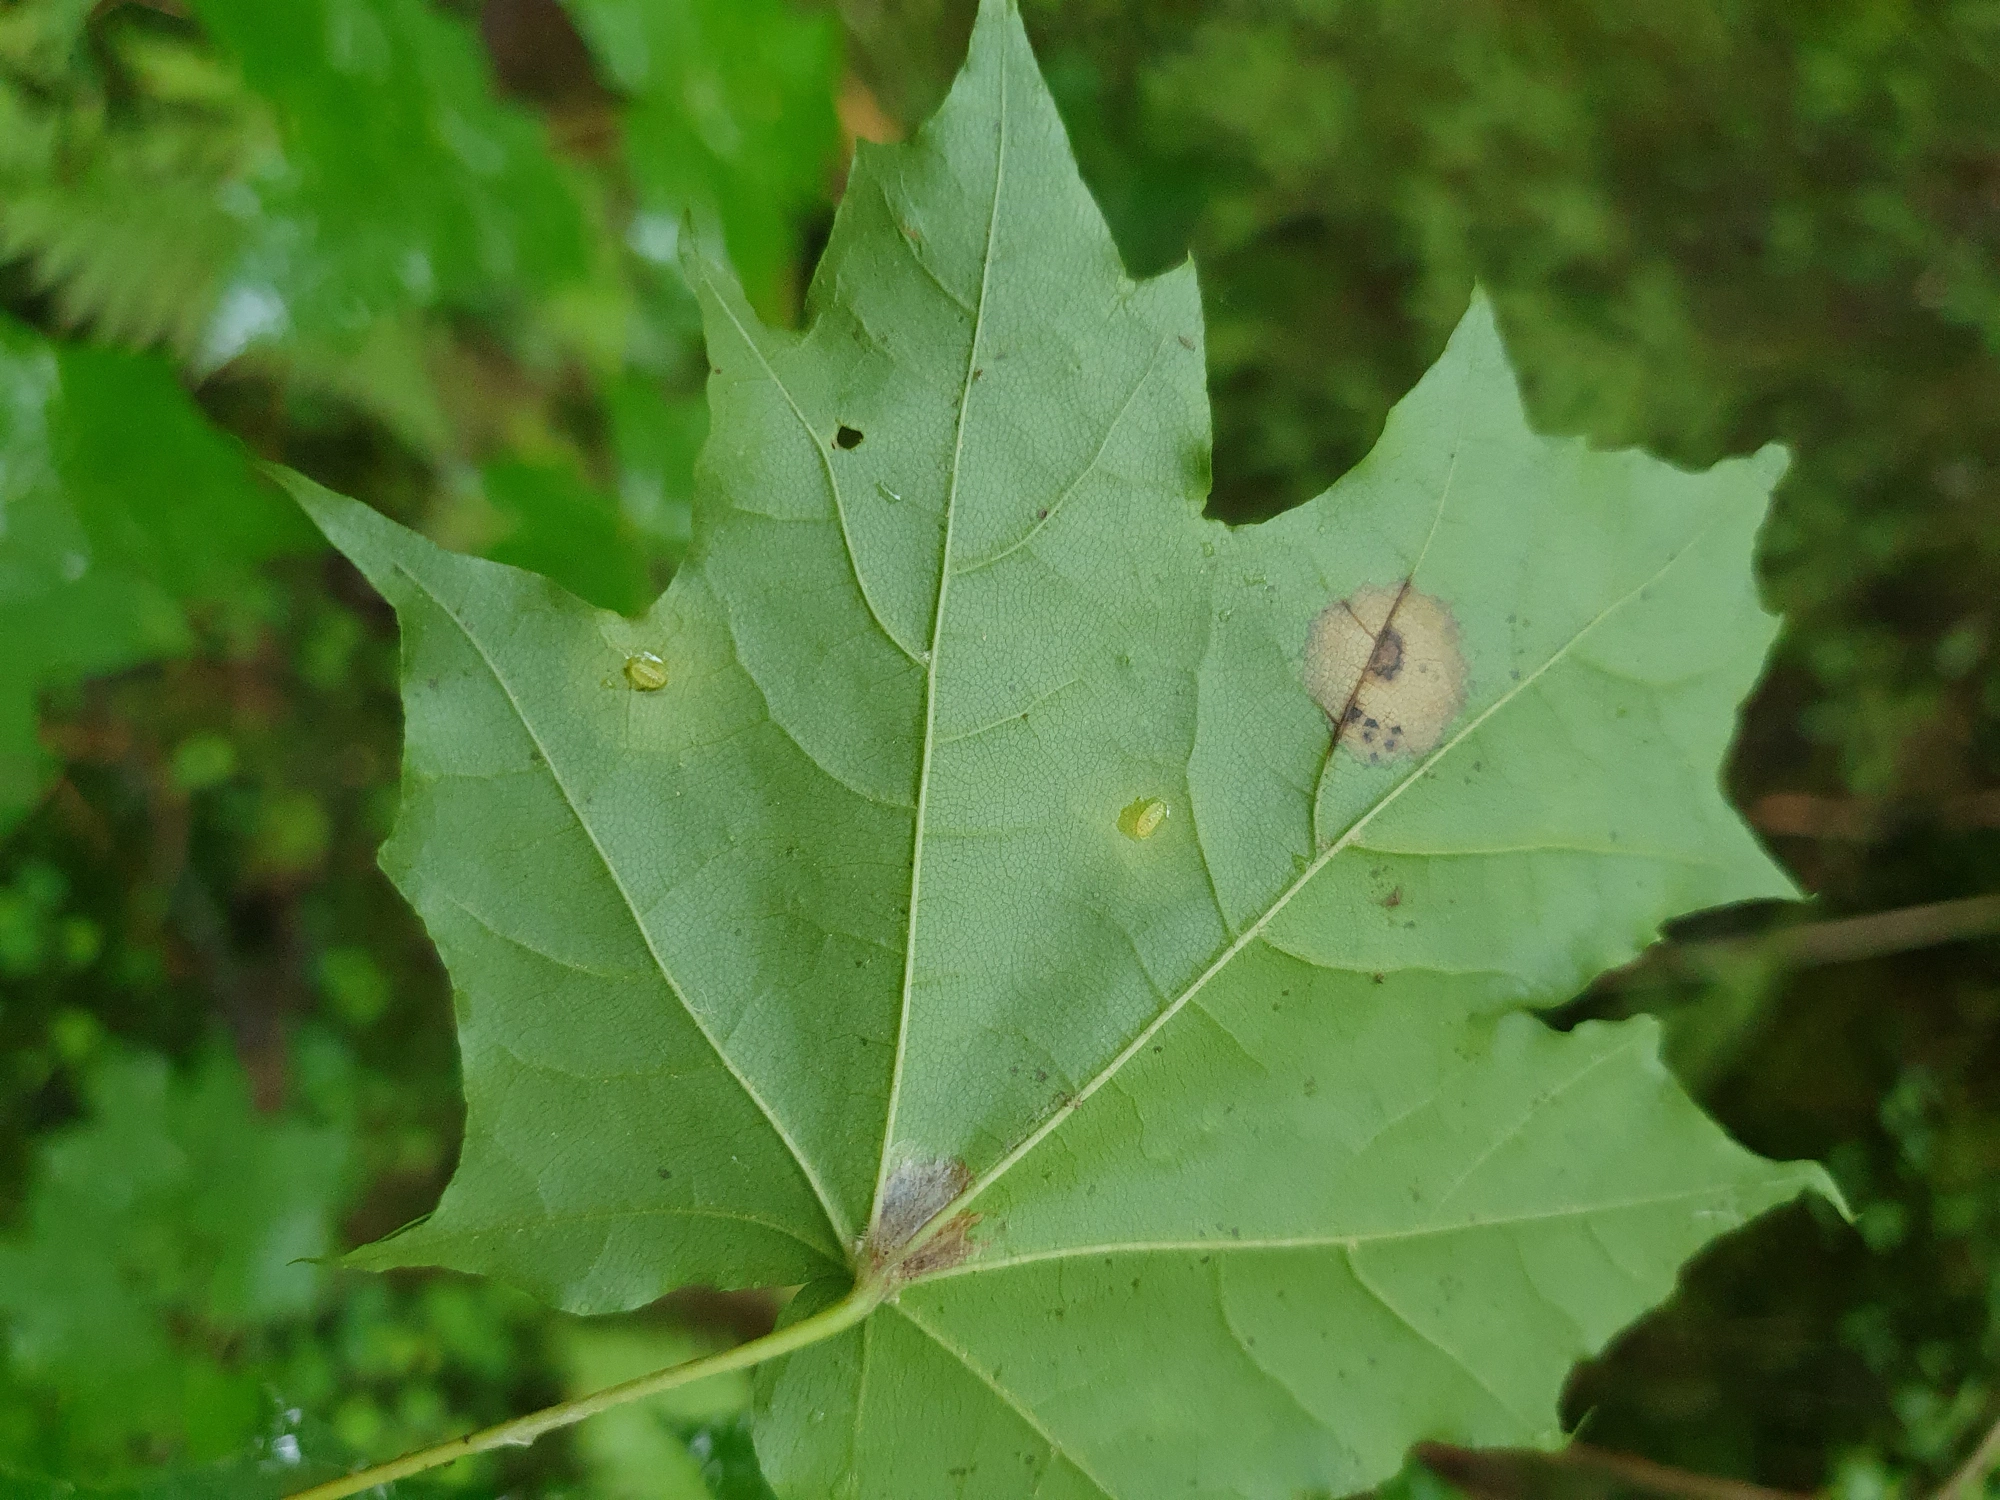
{"x": 645, "y": 671}
{"x": 1142, "y": 819}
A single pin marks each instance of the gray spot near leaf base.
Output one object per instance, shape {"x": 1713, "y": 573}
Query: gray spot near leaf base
{"x": 918, "y": 1190}
{"x": 1386, "y": 665}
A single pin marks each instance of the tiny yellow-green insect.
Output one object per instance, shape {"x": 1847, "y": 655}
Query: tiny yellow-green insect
{"x": 1143, "y": 818}
{"x": 645, "y": 671}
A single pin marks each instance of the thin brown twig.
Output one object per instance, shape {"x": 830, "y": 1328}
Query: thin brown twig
{"x": 1802, "y": 815}
{"x": 1645, "y": 1473}
{"x": 1880, "y": 933}
{"x": 1816, "y": 944}
{"x": 1466, "y": 1467}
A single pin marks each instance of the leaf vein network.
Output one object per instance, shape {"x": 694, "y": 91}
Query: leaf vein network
{"x": 909, "y": 243}
{"x": 1056, "y": 1117}
{"x": 826, "y": 467}
{"x": 1452, "y": 1356}
{"x": 1020, "y": 1408}
{"x": 1054, "y": 507}
{"x": 835, "y": 1219}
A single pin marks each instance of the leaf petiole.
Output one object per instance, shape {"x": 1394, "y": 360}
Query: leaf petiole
{"x": 522, "y": 1431}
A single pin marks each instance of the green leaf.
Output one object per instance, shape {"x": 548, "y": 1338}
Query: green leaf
{"x": 562, "y": 528}
{"x": 954, "y": 889}
{"x": 117, "y": 504}
{"x": 731, "y": 119}
{"x": 285, "y": 1458}
{"x": 404, "y": 182}
{"x": 656, "y": 440}
{"x": 239, "y": 1480}
{"x": 728, "y": 1455}
{"x": 159, "y": 1236}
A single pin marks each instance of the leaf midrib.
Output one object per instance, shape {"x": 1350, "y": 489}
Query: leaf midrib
{"x": 931, "y": 657}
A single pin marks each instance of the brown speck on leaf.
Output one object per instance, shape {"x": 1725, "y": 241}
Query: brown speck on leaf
{"x": 949, "y": 1247}
{"x": 1394, "y": 898}
{"x": 1387, "y": 662}
{"x": 1386, "y": 666}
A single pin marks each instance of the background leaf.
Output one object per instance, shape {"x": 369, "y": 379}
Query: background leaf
{"x": 732, "y": 124}
{"x": 157, "y": 1239}
{"x": 120, "y": 504}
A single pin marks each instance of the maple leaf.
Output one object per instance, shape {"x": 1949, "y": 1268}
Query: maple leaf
{"x": 1087, "y": 943}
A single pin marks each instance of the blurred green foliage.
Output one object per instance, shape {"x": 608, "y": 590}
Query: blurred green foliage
{"x": 162, "y": 1240}
{"x": 121, "y": 505}
{"x": 424, "y": 251}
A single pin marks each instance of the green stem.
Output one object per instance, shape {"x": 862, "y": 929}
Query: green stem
{"x": 1970, "y": 1477}
{"x": 520, "y": 1432}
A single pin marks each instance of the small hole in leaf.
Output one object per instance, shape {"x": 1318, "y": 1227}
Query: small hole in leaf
{"x": 847, "y": 437}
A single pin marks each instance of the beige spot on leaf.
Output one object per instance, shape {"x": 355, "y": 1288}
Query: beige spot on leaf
{"x": 1386, "y": 665}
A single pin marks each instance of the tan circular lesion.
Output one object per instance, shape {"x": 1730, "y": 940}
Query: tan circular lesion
{"x": 1386, "y": 665}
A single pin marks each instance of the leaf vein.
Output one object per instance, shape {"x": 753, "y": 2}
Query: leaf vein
{"x": 835, "y": 1220}
{"x": 1451, "y": 1355}
{"x": 932, "y": 656}
{"x": 1013, "y": 1402}
{"x": 545, "y": 1218}
{"x": 1055, "y": 506}
{"x": 826, "y": 465}
{"x": 1353, "y": 833}
{"x": 909, "y": 243}
{"x": 1275, "y": 1244}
